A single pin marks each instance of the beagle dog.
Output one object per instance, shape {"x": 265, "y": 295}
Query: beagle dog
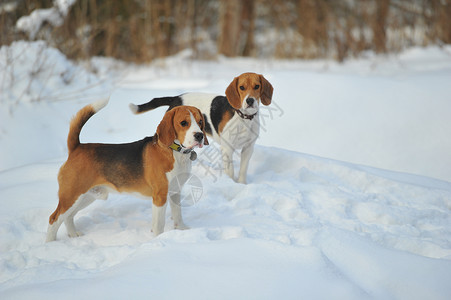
{"x": 145, "y": 167}
{"x": 232, "y": 121}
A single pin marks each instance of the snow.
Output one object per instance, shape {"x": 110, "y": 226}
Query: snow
{"x": 360, "y": 217}
{"x": 38, "y": 17}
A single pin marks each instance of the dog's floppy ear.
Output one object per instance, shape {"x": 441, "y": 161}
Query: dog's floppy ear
{"x": 232, "y": 94}
{"x": 165, "y": 130}
{"x": 204, "y": 123}
{"x": 267, "y": 89}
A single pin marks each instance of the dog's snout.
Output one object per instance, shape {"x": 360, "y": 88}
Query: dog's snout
{"x": 250, "y": 101}
{"x": 198, "y": 136}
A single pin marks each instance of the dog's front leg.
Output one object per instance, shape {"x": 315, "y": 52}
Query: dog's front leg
{"x": 176, "y": 211}
{"x": 158, "y": 218}
{"x": 227, "y": 159}
{"x": 246, "y": 154}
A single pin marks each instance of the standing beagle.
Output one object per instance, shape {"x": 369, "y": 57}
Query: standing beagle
{"x": 146, "y": 167}
{"x": 232, "y": 120}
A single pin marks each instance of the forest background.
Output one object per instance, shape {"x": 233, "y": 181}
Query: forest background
{"x": 140, "y": 31}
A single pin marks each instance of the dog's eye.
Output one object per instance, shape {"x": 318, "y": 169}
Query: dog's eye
{"x": 242, "y": 88}
{"x": 256, "y": 87}
{"x": 184, "y": 123}
{"x": 200, "y": 123}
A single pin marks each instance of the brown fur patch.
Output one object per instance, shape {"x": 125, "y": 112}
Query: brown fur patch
{"x": 232, "y": 94}
{"x": 225, "y": 119}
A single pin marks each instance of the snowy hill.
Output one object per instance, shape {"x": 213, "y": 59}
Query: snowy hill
{"x": 304, "y": 227}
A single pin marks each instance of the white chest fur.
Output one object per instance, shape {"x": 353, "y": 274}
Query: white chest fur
{"x": 240, "y": 132}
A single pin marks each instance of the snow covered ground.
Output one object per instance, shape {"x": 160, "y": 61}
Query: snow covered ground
{"x": 305, "y": 226}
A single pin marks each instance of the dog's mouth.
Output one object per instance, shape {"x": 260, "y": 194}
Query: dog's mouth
{"x": 198, "y": 144}
{"x": 195, "y": 144}
{"x": 249, "y": 110}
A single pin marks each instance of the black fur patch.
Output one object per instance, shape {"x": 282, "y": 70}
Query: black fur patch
{"x": 219, "y": 106}
{"x": 123, "y": 162}
{"x": 207, "y": 126}
{"x": 176, "y": 101}
{"x": 163, "y": 101}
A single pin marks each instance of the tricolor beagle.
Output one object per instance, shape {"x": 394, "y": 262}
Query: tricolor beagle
{"x": 146, "y": 167}
{"x": 232, "y": 120}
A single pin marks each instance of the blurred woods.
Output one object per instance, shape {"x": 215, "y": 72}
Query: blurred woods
{"x": 142, "y": 30}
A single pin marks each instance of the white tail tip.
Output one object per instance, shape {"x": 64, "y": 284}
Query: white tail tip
{"x": 133, "y": 108}
{"x": 98, "y": 105}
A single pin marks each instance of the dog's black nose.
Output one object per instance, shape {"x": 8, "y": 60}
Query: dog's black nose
{"x": 198, "y": 136}
{"x": 250, "y": 101}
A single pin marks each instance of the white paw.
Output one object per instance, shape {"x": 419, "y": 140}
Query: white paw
{"x": 181, "y": 226}
{"x": 50, "y": 239}
{"x": 242, "y": 180}
{"x": 156, "y": 232}
{"x": 75, "y": 234}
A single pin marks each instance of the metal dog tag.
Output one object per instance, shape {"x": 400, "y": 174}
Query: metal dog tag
{"x": 193, "y": 155}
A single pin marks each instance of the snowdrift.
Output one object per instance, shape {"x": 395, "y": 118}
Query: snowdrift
{"x": 303, "y": 227}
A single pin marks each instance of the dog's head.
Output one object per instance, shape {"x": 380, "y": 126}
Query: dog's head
{"x": 184, "y": 124}
{"x": 246, "y": 92}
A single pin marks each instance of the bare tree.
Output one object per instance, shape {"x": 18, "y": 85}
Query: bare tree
{"x": 379, "y": 25}
{"x": 237, "y": 26}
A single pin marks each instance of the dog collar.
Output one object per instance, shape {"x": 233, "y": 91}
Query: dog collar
{"x": 179, "y": 148}
{"x": 244, "y": 116}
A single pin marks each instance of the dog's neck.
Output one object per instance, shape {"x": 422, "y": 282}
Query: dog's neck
{"x": 244, "y": 116}
{"x": 189, "y": 152}
{"x": 179, "y": 148}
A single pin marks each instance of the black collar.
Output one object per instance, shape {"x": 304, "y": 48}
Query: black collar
{"x": 244, "y": 116}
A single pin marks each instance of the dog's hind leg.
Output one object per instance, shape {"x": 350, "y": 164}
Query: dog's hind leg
{"x": 82, "y": 202}
{"x": 68, "y": 216}
{"x": 99, "y": 192}
{"x": 52, "y": 230}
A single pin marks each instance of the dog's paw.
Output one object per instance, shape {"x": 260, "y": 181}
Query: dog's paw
{"x": 181, "y": 226}
{"x": 75, "y": 234}
{"x": 242, "y": 180}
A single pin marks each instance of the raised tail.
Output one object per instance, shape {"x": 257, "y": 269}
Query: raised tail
{"x": 77, "y": 123}
{"x": 156, "y": 102}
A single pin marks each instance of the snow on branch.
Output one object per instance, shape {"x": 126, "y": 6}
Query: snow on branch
{"x": 54, "y": 16}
